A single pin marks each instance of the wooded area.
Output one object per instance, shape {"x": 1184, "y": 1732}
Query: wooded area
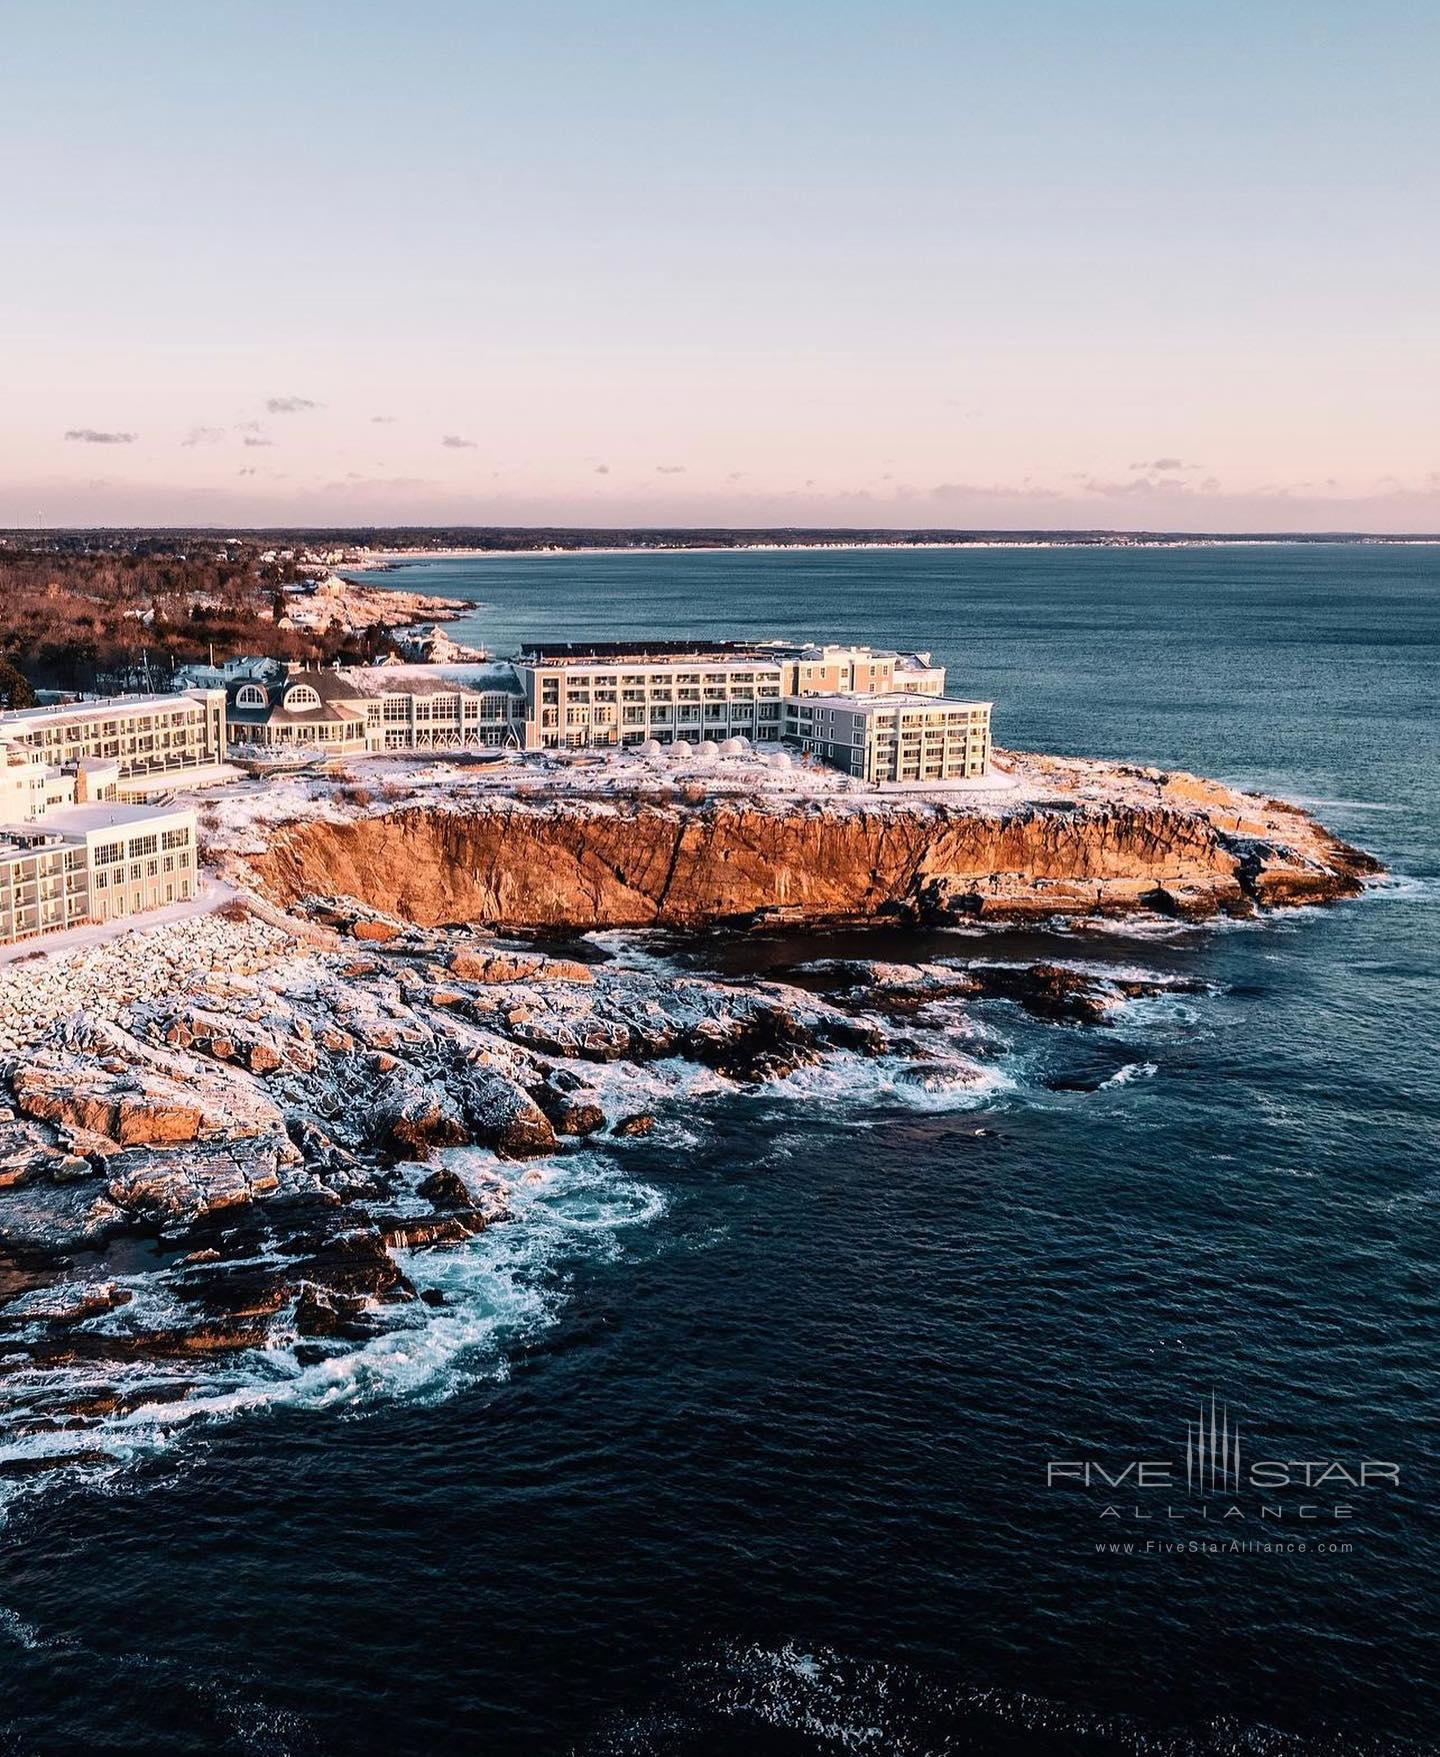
{"x": 79, "y": 617}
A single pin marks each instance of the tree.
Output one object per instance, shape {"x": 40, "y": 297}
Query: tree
{"x": 15, "y": 691}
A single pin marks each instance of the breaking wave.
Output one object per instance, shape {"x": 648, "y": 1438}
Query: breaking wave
{"x": 505, "y": 1286}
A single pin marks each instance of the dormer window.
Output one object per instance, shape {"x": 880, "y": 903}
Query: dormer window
{"x": 250, "y": 695}
{"x": 300, "y": 698}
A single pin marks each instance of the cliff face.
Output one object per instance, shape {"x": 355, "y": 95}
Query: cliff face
{"x": 567, "y": 865}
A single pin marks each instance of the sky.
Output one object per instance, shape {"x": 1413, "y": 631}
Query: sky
{"x": 1029, "y": 263}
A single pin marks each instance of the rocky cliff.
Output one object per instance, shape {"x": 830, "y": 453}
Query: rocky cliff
{"x": 1098, "y": 839}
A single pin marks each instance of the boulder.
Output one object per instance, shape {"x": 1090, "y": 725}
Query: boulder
{"x": 491, "y": 967}
{"x": 130, "y": 1108}
{"x": 179, "y": 1188}
{"x": 411, "y": 1118}
{"x": 630, "y": 1126}
{"x": 1049, "y": 991}
{"x": 501, "y": 1114}
{"x": 578, "y": 1116}
{"x": 445, "y": 1189}
{"x": 52, "y": 1218}
{"x": 378, "y": 933}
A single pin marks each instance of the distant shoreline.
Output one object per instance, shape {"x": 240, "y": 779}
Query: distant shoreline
{"x": 381, "y": 560}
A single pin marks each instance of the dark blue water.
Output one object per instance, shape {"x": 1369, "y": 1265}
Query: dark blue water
{"x": 769, "y": 1472}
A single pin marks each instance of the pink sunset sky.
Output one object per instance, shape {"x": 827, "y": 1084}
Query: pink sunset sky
{"x": 923, "y": 265}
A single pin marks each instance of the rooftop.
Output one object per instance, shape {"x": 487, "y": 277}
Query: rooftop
{"x": 373, "y": 680}
{"x": 103, "y": 707}
{"x": 81, "y": 820}
{"x": 858, "y": 702}
{"x": 638, "y": 652}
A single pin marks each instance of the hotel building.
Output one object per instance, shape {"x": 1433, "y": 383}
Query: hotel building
{"x": 71, "y": 851}
{"x": 612, "y": 695}
{"x": 893, "y": 739}
{"x": 153, "y": 740}
{"x": 604, "y": 694}
{"x": 346, "y": 712}
{"x": 87, "y": 863}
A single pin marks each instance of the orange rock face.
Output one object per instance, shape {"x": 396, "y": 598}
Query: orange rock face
{"x": 1167, "y": 842}
{"x": 156, "y": 1114}
{"x": 492, "y": 967}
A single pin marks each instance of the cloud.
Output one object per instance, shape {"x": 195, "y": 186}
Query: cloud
{"x": 96, "y": 436}
{"x": 353, "y": 481}
{"x": 204, "y": 436}
{"x": 453, "y": 442}
{"x": 289, "y": 405}
{"x": 248, "y": 470}
{"x": 253, "y": 439}
{"x": 984, "y": 490}
{"x": 669, "y": 469}
{"x": 602, "y": 469}
{"x": 1136, "y": 485}
{"x": 383, "y": 420}
{"x": 1166, "y": 466}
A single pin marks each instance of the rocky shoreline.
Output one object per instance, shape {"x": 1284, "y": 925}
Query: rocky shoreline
{"x": 227, "y": 1138}
{"x": 1067, "y": 838}
{"x": 357, "y": 606}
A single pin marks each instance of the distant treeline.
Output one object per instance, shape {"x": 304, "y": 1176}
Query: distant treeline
{"x": 84, "y": 613}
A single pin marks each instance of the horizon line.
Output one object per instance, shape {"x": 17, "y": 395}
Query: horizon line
{"x": 944, "y": 533}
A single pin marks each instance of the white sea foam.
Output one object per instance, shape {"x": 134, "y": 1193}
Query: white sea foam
{"x": 857, "y": 1083}
{"x": 1131, "y": 1072}
{"x": 507, "y": 1283}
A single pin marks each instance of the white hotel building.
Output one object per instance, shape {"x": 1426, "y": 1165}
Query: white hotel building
{"x": 153, "y": 740}
{"x": 608, "y": 695}
{"x": 88, "y": 863}
{"x": 72, "y": 850}
{"x": 893, "y": 739}
{"x": 584, "y": 694}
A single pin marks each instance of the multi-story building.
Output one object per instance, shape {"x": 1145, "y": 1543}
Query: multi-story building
{"x": 85, "y": 863}
{"x": 606, "y": 694}
{"x": 579, "y": 694}
{"x": 611, "y": 695}
{"x": 836, "y": 669}
{"x": 345, "y": 712}
{"x": 154, "y": 740}
{"x": 893, "y": 739}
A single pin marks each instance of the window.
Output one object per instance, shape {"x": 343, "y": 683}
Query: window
{"x": 250, "y": 695}
{"x": 301, "y": 699}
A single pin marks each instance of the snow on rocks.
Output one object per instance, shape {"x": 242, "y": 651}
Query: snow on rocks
{"x": 104, "y": 980}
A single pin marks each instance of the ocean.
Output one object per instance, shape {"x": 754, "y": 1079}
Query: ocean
{"x": 772, "y": 1433}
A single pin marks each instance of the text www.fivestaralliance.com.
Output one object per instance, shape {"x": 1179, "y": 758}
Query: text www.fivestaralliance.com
{"x": 1199, "y": 1546}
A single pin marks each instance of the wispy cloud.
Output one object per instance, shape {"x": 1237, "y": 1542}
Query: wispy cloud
{"x": 289, "y": 405}
{"x": 453, "y": 442}
{"x": 669, "y": 469}
{"x": 99, "y": 436}
{"x": 1166, "y": 466}
{"x": 247, "y": 470}
{"x": 602, "y": 469}
{"x": 383, "y": 420}
{"x": 253, "y": 439}
{"x": 355, "y": 481}
{"x": 204, "y": 436}
{"x": 990, "y": 490}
